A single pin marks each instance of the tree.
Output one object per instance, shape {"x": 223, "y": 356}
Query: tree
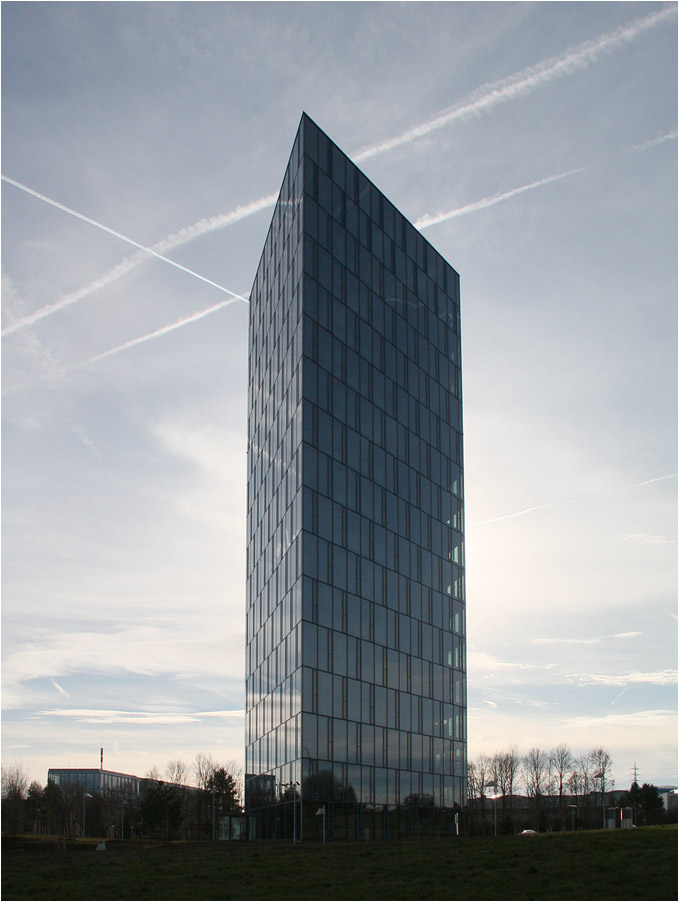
{"x": 152, "y": 774}
{"x": 601, "y": 765}
{"x": 535, "y": 777}
{"x": 14, "y": 786}
{"x": 560, "y": 763}
{"x": 161, "y": 810}
{"x": 177, "y": 771}
{"x": 646, "y": 801}
{"x": 35, "y": 808}
{"x": 535, "y": 773}
{"x": 203, "y": 768}
{"x": 223, "y": 789}
{"x": 507, "y": 766}
{"x": 56, "y": 808}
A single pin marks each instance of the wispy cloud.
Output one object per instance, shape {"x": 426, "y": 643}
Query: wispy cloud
{"x": 82, "y": 435}
{"x": 656, "y": 678}
{"x": 71, "y": 299}
{"x": 589, "y": 640}
{"x": 481, "y": 662}
{"x": 92, "y": 715}
{"x": 491, "y": 95}
{"x": 643, "y": 538}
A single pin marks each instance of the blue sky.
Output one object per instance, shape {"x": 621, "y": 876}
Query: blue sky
{"x": 535, "y": 145}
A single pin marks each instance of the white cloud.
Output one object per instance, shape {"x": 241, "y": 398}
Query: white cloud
{"x": 589, "y": 640}
{"x": 102, "y": 716}
{"x": 214, "y": 493}
{"x": 656, "y": 678}
{"x": 642, "y": 538}
{"x": 483, "y": 662}
{"x": 176, "y": 648}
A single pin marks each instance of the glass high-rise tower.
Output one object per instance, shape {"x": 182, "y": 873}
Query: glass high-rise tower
{"x": 356, "y": 661}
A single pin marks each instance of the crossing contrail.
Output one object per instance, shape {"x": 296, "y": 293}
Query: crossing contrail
{"x": 480, "y": 101}
{"x": 59, "y": 305}
{"x": 422, "y": 223}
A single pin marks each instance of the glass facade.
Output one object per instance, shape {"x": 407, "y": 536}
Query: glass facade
{"x": 356, "y": 653}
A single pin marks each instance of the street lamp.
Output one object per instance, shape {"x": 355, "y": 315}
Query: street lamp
{"x": 602, "y": 776}
{"x": 492, "y": 784}
{"x": 86, "y": 795}
{"x": 573, "y": 809}
{"x": 321, "y": 810}
{"x": 291, "y": 787}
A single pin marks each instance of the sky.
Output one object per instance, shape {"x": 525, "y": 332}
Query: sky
{"x": 535, "y": 146}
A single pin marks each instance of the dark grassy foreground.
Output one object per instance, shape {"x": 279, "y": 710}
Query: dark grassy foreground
{"x": 629, "y": 864}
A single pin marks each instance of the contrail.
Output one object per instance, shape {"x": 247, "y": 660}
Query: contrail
{"x": 522, "y": 513}
{"x": 638, "y": 485}
{"x": 483, "y": 99}
{"x": 52, "y": 308}
{"x": 539, "y": 507}
{"x": 425, "y": 221}
{"x": 653, "y": 142}
{"x": 129, "y": 263}
{"x": 165, "y": 329}
{"x": 490, "y": 95}
{"x": 422, "y": 223}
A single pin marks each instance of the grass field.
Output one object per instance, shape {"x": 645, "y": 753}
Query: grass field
{"x": 625, "y": 864}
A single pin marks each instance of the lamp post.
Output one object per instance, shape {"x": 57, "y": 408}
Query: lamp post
{"x": 292, "y": 789}
{"x": 86, "y": 795}
{"x": 321, "y": 810}
{"x": 492, "y": 784}
{"x": 601, "y": 775}
{"x": 573, "y": 809}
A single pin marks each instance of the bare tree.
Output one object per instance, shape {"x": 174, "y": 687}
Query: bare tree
{"x": 560, "y": 764}
{"x": 235, "y": 768}
{"x": 535, "y": 772}
{"x": 580, "y": 779}
{"x": 473, "y": 787}
{"x": 507, "y": 767}
{"x": 203, "y": 768}
{"x": 177, "y": 771}
{"x": 153, "y": 774}
{"x": 14, "y": 787}
{"x": 601, "y": 763}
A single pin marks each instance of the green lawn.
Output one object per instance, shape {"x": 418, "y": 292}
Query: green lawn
{"x": 625, "y": 864}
